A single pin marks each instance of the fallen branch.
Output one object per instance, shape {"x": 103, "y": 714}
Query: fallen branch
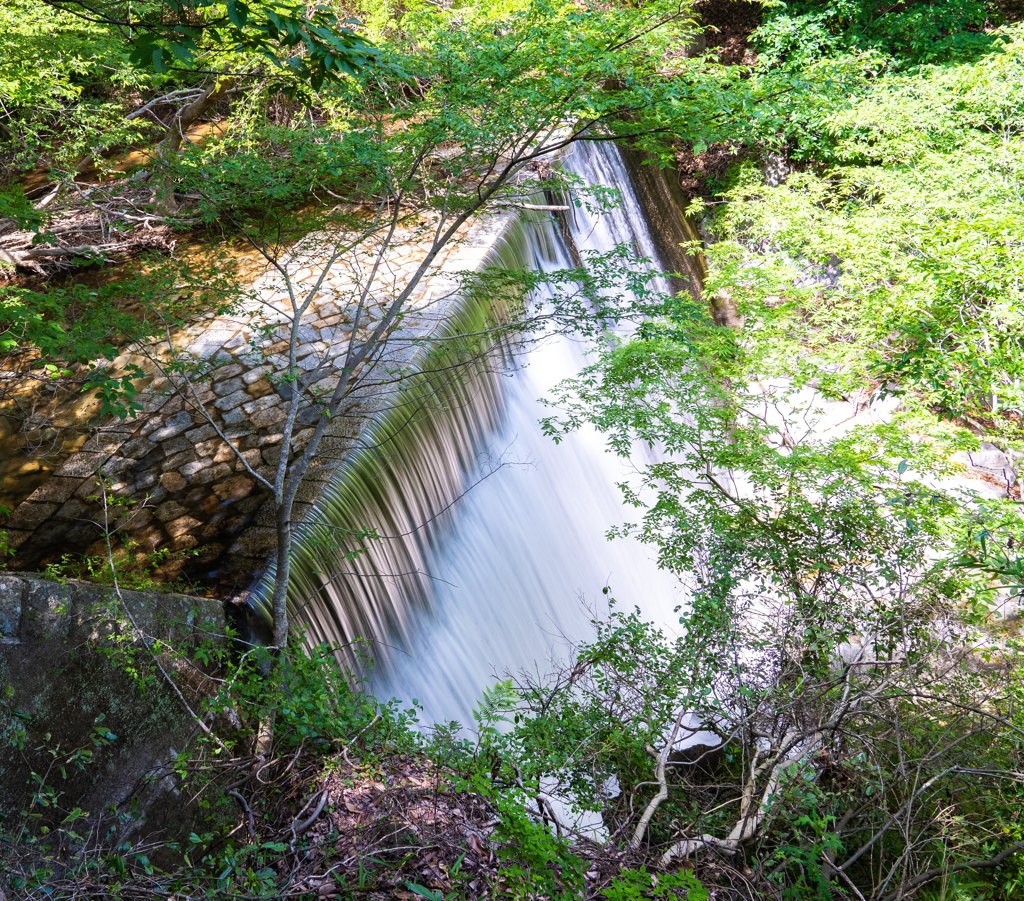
{"x": 38, "y": 259}
{"x": 299, "y": 826}
{"x": 250, "y": 819}
{"x": 187, "y": 95}
{"x": 690, "y": 846}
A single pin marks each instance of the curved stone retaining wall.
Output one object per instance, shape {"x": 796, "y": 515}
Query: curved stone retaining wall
{"x": 188, "y": 494}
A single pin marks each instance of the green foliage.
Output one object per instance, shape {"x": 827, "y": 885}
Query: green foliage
{"x": 16, "y": 207}
{"x": 177, "y": 32}
{"x": 49, "y": 822}
{"x": 72, "y": 334}
{"x": 63, "y": 88}
{"x": 890, "y": 255}
{"x": 533, "y": 861}
{"x": 252, "y": 176}
{"x": 798, "y": 32}
{"x": 314, "y": 703}
{"x": 895, "y": 258}
{"x": 583, "y": 739}
{"x": 798, "y": 548}
{"x": 316, "y": 121}
{"x": 634, "y": 885}
{"x": 133, "y": 569}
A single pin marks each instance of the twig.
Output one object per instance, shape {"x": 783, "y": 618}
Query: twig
{"x": 300, "y": 826}
{"x": 248, "y": 812}
{"x": 662, "y": 795}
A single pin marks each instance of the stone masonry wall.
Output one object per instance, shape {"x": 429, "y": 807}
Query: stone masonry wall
{"x": 188, "y": 496}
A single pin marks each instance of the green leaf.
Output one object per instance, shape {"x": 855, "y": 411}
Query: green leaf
{"x": 238, "y": 13}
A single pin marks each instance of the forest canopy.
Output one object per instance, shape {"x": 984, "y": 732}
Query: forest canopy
{"x": 851, "y": 176}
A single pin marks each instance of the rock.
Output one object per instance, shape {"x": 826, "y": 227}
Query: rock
{"x": 210, "y": 504}
{"x": 117, "y": 464}
{"x": 137, "y": 447}
{"x": 182, "y": 526}
{"x": 173, "y": 481}
{"x": 83, "y": 464}
{"x": 260, "y": 389}
{"x": 307, "y": 334}
{"x": 12, "y": 589}
{"x": 47, "y": 611}
{"x": 148, "y": 537}
{"x": 189, "y": 470}
{"x": 208, "y": 448}
{"x": 228, "y": 372}
{"x": 58, "y": 676}
{"x": 230, "y": 401}
{"x": 170, "y": 510}
{"x": 202, "y": 433}
{"x": 146, "y": 480}
{"x": 265, "y": 419}
{"x": 1007, "y": 607}
{"x": 228, "y": 386}
{"x": 223, "y": 454}
{"x": 210, "y": 473}
{"x": 30, "y": 515}
{"x": 179, "y": 459}
{"x": 262, "y": 403}
{"x": 311, "y": 362}
{"x": 177, "y": 444}
{"x": 268, "y": 440}
{"x": 255, "y": 375}
{"x": 174, "y": 425}
{"x": 76, "y": 508}
{"x": 252, "y": 457}
{"x": 106, "y": 442}
{"x": 990, "y": 459}
{"x": 234, "y": 417}
{"x": 56, "y": 489}
{"x": 234, "y": 488}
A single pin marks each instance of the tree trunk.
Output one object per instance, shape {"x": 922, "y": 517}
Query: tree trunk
{"x": 724, "y": 310}
{"x": 167, "y": 149}
{"x": 280, "y": 597}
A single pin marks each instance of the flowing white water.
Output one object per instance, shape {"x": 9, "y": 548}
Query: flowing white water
{"x": 483, "y": 569}
{"x": 521, "y": 569}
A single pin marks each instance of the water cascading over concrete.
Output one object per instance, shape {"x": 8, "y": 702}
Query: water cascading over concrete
{"x": 459, "y": 541}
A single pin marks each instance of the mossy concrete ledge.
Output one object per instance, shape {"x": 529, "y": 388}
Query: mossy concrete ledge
{"x": 71, "y": 655}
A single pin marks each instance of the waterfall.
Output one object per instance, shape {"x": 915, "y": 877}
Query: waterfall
{"x": 460, "y": 542}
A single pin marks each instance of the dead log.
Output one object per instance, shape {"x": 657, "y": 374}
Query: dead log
{"x": 45, "y": 259}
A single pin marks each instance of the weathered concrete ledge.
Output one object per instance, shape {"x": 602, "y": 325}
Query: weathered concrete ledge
{"x": 72, "y": 657}
{"x": 34, "y": 610}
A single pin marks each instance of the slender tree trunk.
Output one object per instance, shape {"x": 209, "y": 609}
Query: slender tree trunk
{"x": 170, "y": 144}
{"x": 265, "y": 734}
{"x": 284, "y": 562}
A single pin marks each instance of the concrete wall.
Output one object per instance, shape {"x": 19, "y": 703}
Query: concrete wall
{"x": 62, "y": 667}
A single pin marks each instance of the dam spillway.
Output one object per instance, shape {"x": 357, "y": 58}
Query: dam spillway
{"x": 459, "y": 543}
